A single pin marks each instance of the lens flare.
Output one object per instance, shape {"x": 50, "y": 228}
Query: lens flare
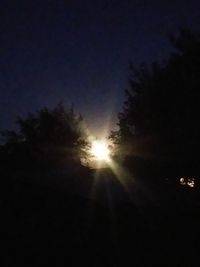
{"x": 100, "y": 151}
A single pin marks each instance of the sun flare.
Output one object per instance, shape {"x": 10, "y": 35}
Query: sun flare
{"x": 100, "y": 151}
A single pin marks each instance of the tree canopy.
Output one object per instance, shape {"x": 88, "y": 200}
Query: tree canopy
{"x": 160, "y": 117}
{"x": 46, "y": 138}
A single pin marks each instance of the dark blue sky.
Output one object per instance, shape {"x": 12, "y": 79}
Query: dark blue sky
{"x": 78, "y": 52}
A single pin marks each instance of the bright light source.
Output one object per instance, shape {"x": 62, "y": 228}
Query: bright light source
{"x": 191, "y": 182}
{"x": 100, "y": 150}
{"x": 182, "y": 181}
{"x": 187, "y": 181}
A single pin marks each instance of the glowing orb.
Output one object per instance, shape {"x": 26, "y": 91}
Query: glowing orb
{"x": 100, "y": 150}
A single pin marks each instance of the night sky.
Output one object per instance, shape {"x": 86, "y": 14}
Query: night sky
{"x": 78, "y": 52}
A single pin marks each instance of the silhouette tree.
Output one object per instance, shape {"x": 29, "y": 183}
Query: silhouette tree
{"x": 160, "y": 117}
{"x": 46, "y": 138}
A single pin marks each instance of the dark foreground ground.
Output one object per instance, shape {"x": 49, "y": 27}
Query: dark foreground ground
{"x": 47, "y": 225}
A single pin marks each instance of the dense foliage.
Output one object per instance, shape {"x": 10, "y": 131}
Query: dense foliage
{"x": 46, "y": 138}
{"x": 160, "y": 117}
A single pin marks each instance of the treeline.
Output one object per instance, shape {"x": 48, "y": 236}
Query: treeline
{"x": 45, "y": 139}
{"x": 159, "y": 122}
